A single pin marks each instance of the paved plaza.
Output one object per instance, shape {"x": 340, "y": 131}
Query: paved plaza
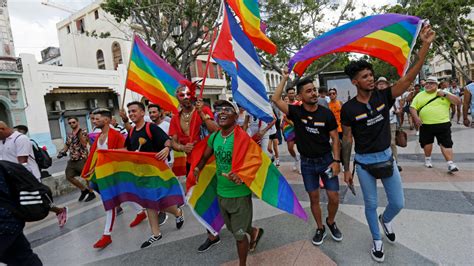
{"x": 436, "y": 226}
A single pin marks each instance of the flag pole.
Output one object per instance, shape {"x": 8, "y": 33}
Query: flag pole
{"x": 213, "y": 38}
{"x": 126, "y": 77}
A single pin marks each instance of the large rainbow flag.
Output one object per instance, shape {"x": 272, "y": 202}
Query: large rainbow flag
{"x": 136, "y": 176}
{"x": 179, "y": 164}
{"x": 389, "y": 37}
{"x": 249, "y": 15}
{"x": 153, "y": 77}
{"x": 254, "y": 167}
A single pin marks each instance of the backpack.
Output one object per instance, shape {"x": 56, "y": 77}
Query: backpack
{"x": 42, "y": 157}
{"x": 31, "y": 200}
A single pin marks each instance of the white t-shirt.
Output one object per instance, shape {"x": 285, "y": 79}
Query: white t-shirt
{"x": 17, "y": 145}
{"x": 255, "y": 125}
{"x": 165, "y": 126}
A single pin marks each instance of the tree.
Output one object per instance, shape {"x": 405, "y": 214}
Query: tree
{"x": 178, "y": 31}
{"x": 453, "y": 28}
{"x": 382, "y": 68}
{"x": 292, "y": 24}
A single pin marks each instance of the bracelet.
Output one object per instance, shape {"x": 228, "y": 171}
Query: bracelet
{"x": 337, "y": 161}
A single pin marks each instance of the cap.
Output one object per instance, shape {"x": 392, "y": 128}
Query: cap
{"x": 432, "y": 79}
{"x": 223, "y": 102}
{"x": 381, "y": 79}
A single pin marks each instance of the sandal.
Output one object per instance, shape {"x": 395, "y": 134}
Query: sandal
{"x": 253, "y": 244}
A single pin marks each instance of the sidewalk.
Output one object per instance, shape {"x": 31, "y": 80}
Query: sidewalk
{"x": 436, "y": 226}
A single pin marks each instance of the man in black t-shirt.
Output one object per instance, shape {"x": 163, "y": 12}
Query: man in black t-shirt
{"x": 315, "y": 126}
{"x": 366, "y": 118}
{"x": 148, "y": 137}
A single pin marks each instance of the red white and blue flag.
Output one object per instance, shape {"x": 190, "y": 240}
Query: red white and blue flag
{"x": 236, "y": 54}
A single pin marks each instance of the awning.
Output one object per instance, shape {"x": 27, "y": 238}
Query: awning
{"x": 80, "y": 90}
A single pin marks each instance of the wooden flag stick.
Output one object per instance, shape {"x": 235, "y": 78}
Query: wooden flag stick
{"x": 207, "y": 63}
{"x": 126, "y": 77}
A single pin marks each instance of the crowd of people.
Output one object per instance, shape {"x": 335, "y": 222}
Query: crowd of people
{"x": 312, "y": 120}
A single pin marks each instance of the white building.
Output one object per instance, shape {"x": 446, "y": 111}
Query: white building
{"x": 55, "y": 93}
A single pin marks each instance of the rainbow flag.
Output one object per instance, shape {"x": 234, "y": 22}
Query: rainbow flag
{"x": 389, "y": 37}
{"x": 136, "y": 176}
{"x": 254, "y": 167}
{"x": 289, "y": 132}
{"x": 249, "y": 15}
{"x": 150, "y": 75}
{"x": 179, "y": 163}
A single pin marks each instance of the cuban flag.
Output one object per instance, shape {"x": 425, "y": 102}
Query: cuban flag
{"x": 237, "y": 56}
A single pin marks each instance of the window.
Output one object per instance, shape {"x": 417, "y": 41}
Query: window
{"x": 116, "y": 54}
{"x": 96, "y": 14}
{"x": 68, "y": 29}
{"x": 100, "y": 59}
{"x": 80, "y": 25}
{"x": 216, "y": 71}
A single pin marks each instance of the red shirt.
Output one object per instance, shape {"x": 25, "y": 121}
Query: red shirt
{"x": 194, "y": 127}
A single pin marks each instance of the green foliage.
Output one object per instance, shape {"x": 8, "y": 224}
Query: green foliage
{"x": 382, "y": 69}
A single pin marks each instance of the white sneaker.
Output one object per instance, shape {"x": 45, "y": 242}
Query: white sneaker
{"x": 452, "y": 168}
{"x": 295, "y": 166}
{"x": 277, "y": 162}
{"x": 428, "y": 163}
{"x": 417, "y": 133}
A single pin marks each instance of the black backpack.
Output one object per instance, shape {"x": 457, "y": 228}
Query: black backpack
{"x": 42, "y": 157}
{"x": 31, "y": 200}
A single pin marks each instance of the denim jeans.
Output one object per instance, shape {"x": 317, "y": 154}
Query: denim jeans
{"x": 368, "y": 183}
{"x": 313, "y": 168}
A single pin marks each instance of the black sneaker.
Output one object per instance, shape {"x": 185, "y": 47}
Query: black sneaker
{"x": 162, "y": 218}
{"x": 150, "y": 241}
{"x": 377, "y": 254}
{"x": 180, "y": 220}
{"x": 83, "y": 194}
{"x": 399, "y": 168}
{"x": 208, "y": 244}
{"x": 90, "y": 196}
{"x": 335, "y": 232}
{"x": 390, "y": 236}
{"x": 319, "y": 236}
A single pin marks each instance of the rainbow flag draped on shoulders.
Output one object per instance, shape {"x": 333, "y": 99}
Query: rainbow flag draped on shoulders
{"x": 389, "y": 37}
{"x": 136, "y": 176}
{"x": 153, "y": 77}
{"x": 254, "y": 167}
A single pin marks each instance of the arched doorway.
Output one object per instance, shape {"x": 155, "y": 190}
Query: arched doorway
{"x": 4, "y": 114}
{"x": 116, "y": 54}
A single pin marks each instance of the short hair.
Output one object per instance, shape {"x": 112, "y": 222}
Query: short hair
{"x": 333, "y": 89}
{"x": 354, "y": 67}
{"x": 103, "y": 112}
{"x": 417, "y": 85}
{"x": 322, "y": 89}
{"x": 22, "y": 128}
{"x": 137, "y": 103}
{"x": 289, "y": 89}
{"x": 301, "y": 83}
{"x": 152, "y": 105}
{"x": 72, "y": 117}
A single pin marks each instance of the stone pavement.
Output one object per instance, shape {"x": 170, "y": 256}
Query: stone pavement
{"x": 436, "y": 226}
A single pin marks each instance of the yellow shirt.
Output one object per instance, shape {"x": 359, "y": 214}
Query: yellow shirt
{"x": 436, "y": 112}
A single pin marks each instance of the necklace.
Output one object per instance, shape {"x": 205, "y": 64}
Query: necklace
{"x": 228, "y": 135}
{"x": 186, "y": 117}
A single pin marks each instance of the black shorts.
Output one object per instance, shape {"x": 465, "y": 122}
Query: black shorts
{"x": 442, "y": 132}
{"x": 273, "y": 136}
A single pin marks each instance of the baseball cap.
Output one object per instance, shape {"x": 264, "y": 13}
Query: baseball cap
{"x": 381, "y": 79}
{"x": 432, "y": 79}
{"x": 226, "y": 102}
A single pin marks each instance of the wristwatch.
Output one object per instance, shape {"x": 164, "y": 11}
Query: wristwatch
{"x": 337, "y": 161}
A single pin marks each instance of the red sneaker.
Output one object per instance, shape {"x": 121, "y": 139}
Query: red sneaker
{"x": 103, "y": 242}
{"x": 140, "y": 217}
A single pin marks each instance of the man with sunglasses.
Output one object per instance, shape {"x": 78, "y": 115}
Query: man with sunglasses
{"x": 186, "y": 130}
{"x": 366, "y": 119}
{"x": 76, "y": 144}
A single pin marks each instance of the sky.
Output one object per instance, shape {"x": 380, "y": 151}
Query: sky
{"x": 34, "y": 25}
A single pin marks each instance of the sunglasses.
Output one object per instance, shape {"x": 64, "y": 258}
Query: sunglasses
{"x": 225, "y": 109}
{"x": 371, "y": 111}
{"x": 71, "y": 123}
